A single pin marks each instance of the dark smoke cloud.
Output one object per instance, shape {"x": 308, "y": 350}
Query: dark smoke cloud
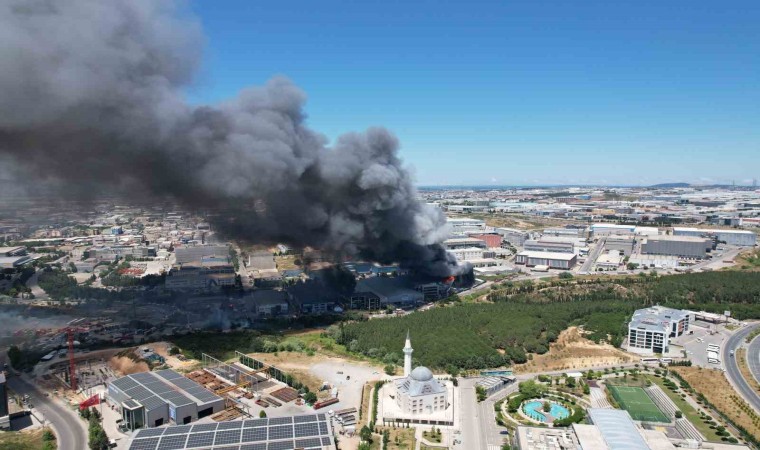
{"x": 92, "y": 99}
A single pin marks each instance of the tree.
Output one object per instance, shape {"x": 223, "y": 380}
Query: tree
{"x": 480, "y": 391}
{"x": 310, "y": 397}
{"x": 547, "y": 407}
{"x": 174, "y": 351}
{"x": 531, "y": 389}
{"x": 679, "y": 414}
{"x": 262, "y": 414}
{"x": 14, "y": 354}
{"x": 365, "y": 434}
{"x": 566, "y": 275}
{"x": 390, "y": 369}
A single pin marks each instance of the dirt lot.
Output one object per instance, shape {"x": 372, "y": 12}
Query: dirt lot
{"x": 287, "y": 262}
{"x": 573, "y": 351}
{"x": 21, "y": 440}
{"x": 162, "y": 348}
{"x": 717, "y": 390}
{"x": 123, "y": 365}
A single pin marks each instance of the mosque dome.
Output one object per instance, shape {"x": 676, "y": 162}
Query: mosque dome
{"x": 421, "y": 374}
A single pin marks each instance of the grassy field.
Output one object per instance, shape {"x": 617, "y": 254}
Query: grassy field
{"x": 15, "y": 440}
{"x": 688, "y": 411}
{"x": 636, "y": 401}
{"x": 719, "y": 392}
{"x": 741, "y": 361}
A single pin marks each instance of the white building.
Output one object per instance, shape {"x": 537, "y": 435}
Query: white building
{"x": 549, "y": 259}
{"x": 419, "y": 392}
{"x": 732, "y": 237}
{"x": 650, "y": 329}
{"x": 460, "y": 226}
{"x": 608, "y": 229}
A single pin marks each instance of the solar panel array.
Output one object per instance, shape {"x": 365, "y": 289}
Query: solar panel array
{"x": 308, "y": 432}
{"x": 156, "y": 389}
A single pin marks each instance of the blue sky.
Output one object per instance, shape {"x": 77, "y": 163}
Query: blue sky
{"x": 513, "y": 92}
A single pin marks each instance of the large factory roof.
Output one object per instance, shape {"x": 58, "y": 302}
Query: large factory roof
{"x": 155, "y": 389}
{"x": 307, "y": 432}
{"x": 547, "y": 255}
{"x": 617, "y": 429}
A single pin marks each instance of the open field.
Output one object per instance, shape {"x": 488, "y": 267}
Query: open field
{"x": 287, "y": 262}
{"x": 636, "y": 401}
{"x": 688, "y": 411}
{"x": 401, "y": 439}
{"x": 22, "y": 440}
{"x": 573, "y": 351}
{"x": 748, "y": 261}
{"x": 718, "y": 391}
{"x": 741, "y": 361}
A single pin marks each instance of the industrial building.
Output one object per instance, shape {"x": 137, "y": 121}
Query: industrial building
{"x": 742, "y": 238}
{"x": 622, "y": 244}
{"x": 464, "y": 242}
{"x": 208, "y": 273}
{"x": 460, "y": 226}
{"x": 492, "y": 240}
{"x": 545, "y": 245}
{"x": 270, "y": 303}
{"x": 152, "y": 399}
{"x": 187, "y": 254}
{"x": 513, "y": 236}
{"x": 565, "y": 232}
{"x": 304, "y": 432}
{"x": 378, "y": 292}
{"x": 549, "y": 259}
{"x": 682, "y": 246}
{"x": 650, "y": 329}
{"x": 471, "y": 253}
{"x": 13, "y": 258}
{"x": 599, "y": 230}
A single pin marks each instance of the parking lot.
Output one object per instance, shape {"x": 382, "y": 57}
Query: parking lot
{"x": 695, "y": 345}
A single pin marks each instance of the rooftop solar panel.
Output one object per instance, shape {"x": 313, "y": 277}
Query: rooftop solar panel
{"x": 306, "y": 429}
{"x": 326, "y": 441}
{"x": 179, "y": 429}
{"x": 200, "y": 427}
{"x": 282, "y": 445}
{"x": 227, "y": 437}
{"x": 253, "y": 447}
{"x": 322, "y": 428}
{"x": 144, "y": 444}
{"x": 280, "y": 432}
{"x": 230, "y": 425}
{"x": 256, "y": 423}
{"x": 149, "y": 432}
{"x": 200, "y": 440}
{"x": 172, "y": 442}
{"x": 254, "y": 434}
{"x": 280, "y": 420}
{"x": 305, "y": 418}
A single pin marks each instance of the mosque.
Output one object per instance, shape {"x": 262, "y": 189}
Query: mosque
{"x": 417, "y": 396}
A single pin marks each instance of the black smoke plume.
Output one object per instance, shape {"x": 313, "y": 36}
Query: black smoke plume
{"x": 92, "y": 99}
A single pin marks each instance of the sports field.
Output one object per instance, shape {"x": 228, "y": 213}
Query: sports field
{"x": 638, "y": 404}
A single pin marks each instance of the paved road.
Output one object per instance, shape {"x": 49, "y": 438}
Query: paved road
{"x": 753, "y": 358}
{"x": 69, "y": 429}
{"x": 471, "y": 423}
{"x": 732, "y": 368}
{"x": 591, "y": 258}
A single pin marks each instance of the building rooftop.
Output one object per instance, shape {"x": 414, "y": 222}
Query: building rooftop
{"x": 655, "y": 318}
{"x": 675, "y": 238}
{"x": 617, "y": 429}
{"x": 547, "y": 255}
{"x": 711, "y": 230}
{"x": 307, "y": 432}
{"x": 155, "y": 389}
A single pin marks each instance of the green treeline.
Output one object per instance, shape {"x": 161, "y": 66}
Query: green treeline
{"x": 526, "y": 317}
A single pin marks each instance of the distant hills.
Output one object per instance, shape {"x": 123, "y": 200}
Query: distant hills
{"x": 670, "y": 185}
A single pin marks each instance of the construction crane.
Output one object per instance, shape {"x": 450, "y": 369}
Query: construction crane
{"x": 72, "y": 364}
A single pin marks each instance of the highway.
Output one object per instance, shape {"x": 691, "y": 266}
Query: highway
{"x": 753, "y": 358}
{"x": 70, "y": 431}
{"x": 732, "y": 368}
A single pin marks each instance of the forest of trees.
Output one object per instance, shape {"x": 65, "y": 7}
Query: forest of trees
{"x": 527, "y": 317}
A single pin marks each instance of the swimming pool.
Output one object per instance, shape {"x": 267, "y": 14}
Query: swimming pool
{"x": 535, "y": 410}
